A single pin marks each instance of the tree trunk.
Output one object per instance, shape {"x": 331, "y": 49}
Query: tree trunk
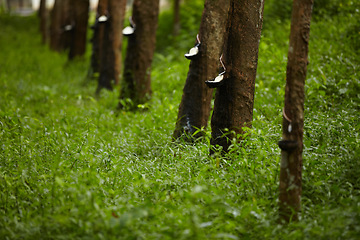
{"x": 176, "y": 26}
{"x": 68, "y": 25}
{"x": 80, "y": 16}
{"x": 117, "y": 11}
{"x": 55, "y": 26}
{"x": 233, "y": 108}
{"x": 43, "y": 15}
{"x": 111, "y": 41}
{"x": 293, "y": 114}
{"x": 140, "y": 51}
{"x": 96, "y": 40}
{"x": 8, "y": 5}
{"x": 194, "y": 109}
{"x": 61, "y": 26}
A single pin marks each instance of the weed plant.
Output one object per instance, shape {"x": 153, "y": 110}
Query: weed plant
{"x": 73, "y": 167}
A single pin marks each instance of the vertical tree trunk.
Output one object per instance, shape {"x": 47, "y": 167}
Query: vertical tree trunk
{"x": 43, "y": 14}
{"x": 194, "y": 109}
{"x": 176, "y": 26}
{"x": 96, "y": 40}
{"x": 233, "y": 108}
{"x": 293, "y": 114}
{"x": 117, "y": 12}
{"x": 80, "y": 16}
{"x": 68, "y": 24}
{"x": 8, "y": 5}
{"x": 55, "y": 26}
{"x": 140, "y": 51}
{"x": 111, "y": 40}
{"x": 60, "y": 28}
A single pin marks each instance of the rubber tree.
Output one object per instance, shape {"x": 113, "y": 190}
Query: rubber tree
{"x": 8, "y": 5}
{"x": 96, "y": 39}
{"x": 61, "y": 26}
{"x": 136, "y": 84}
{"x": 80, "y": 16}
{"x": 293, "y": 113}
{"x": 234, "y": 100}
{"x": 43, "y": 16}
{"x": 194, "y": 109}
{"x": 176, "y": 24}
{"x": 111, "y": 42}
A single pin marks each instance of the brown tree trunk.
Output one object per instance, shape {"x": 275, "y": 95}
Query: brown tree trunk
{"x": 293, "y": 114}
{"x": 194, "y": 109}
{"x": 96, "y": 40}
{"x": 43, "y": 15}
{"x": 117, "y": 11}
{"x": 176, "y": 26}
{"x": 61, "y": 26}
{"x": 233, "y": 108}
{"x": 67, "y": 26}
{"x": 80, "y": 16}
{"x": 111, "y": 41}
{"x": 8, "y": 5}
{"x": 55, "y": 26}
{"x": 140, "y": 51}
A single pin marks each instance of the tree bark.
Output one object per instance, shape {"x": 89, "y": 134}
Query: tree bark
{"x": 96, "y": 40}
{"x": 55, "y": 26}
{"x": 293, "y": 114}
{"x": 140, "y": 50}
{"x": 194, "y": 109}
{"x": 43, "y": 15}
{"x": 60, "y": 36}
{"x": 8, "y": 5}
{"x": 67, "y": 26}
{"x": 117, "y": 11}
{"x": 176, "y": 26}
{"x": 234, "y": 100}
{"x": 80, "y": 16}
{"x": 111, "y": 41}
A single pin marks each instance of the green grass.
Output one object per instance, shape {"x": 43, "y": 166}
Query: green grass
{"x": 72, "y": 167}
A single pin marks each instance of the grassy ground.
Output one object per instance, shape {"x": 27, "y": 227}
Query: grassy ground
{"x": 72, "y": 167}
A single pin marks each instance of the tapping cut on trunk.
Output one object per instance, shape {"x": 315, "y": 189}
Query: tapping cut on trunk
{"x": 68, "y": 27}
{"x": 194, "y": 51}
{"x": 220, "y": 79}
{"x": 129, "y": 30}
{"x": 102, "y": 19}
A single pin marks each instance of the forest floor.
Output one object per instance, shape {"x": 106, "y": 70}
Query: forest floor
{"x": 74, "y": 167}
